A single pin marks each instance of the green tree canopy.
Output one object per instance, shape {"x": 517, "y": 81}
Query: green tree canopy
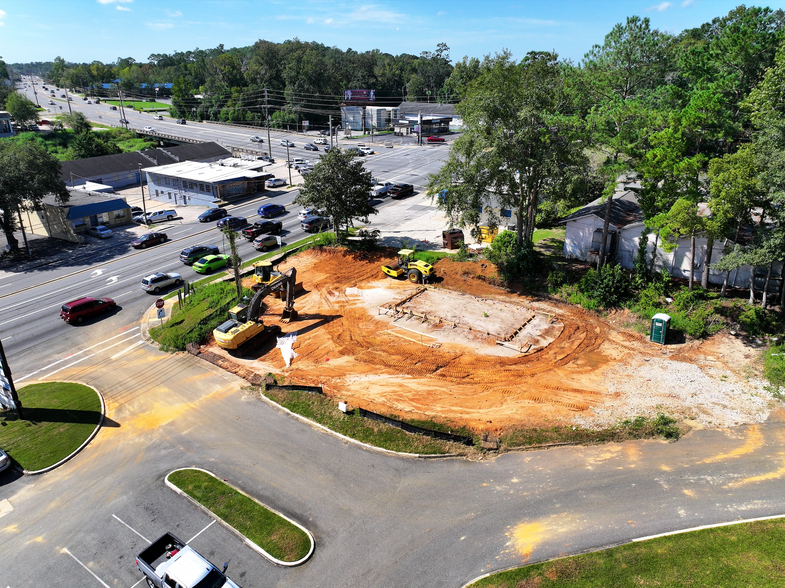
{"x": 23, "y": 110}
{"x": 27, "y": 175}
{"x": 340, "y": 186}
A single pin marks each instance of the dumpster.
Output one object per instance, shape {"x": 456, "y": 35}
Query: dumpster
{"x": 660, "y": 323}
{"x": 487, "y": 234}
{"x": 452, "y": 239}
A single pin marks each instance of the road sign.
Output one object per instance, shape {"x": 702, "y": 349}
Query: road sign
{"x": 159, "y": 303}
{"x": 161, "y": 313}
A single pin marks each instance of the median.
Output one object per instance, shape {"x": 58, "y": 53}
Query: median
{"x": 276, "y": 537}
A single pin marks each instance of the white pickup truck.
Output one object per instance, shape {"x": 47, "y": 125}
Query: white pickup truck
{"x": 170, "y": 562}
{"x": 157, "y": 216}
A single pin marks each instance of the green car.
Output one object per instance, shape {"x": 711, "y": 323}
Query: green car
{"x": 211, "y": 263}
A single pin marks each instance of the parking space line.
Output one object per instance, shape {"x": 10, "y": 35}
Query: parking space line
{"x": 200, "y": 532}
{"x": 65, "y": 550}
{"x": 130, "y": 527}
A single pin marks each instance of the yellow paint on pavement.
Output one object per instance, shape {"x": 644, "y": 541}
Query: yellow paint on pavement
{"x": 753, "y": 442}
{"x": 773, "y": 475}
{"x": 525, "y": 536}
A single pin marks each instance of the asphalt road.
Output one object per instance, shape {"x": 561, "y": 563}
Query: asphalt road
{"x": 378, "y": 520}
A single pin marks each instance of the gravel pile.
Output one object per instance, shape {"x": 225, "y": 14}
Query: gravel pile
{"x": 707, "y": 395}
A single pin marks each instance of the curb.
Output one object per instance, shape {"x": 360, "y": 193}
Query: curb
{"x": 612, "y": 545}
{"x": 245, "y": 539}
{"x": 83, "y": 445}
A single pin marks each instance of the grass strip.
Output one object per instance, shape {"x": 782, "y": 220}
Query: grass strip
{"x": 324, "y": 411}
{"x": 748, "y": 554}
{"x": 271, "y": 532}
{"x": 58, "y": 418}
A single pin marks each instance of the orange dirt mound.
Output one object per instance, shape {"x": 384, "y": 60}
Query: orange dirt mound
{"x": 344, "y": 345}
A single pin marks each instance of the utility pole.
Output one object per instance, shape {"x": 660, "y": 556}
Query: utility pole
{"x": 67, "y": 99}
{"x": 331, "y": 131}
{"x": 122, "y": 109}
{"x": 141, "y": 186}
{"x": 288, "y": 162}
{"x": 419, "y": 128}
{"x": 267, "y": 120}
{"x": 36, "y": 97}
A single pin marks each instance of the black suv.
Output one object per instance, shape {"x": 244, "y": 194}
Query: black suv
{"x": 401, "y": 190}
{"x": 232, "y": 222}
{"x": 266, "y": 227}
{"x": 180, "y": 121}
{"x": 196, "y": 252}
{"x": 314, "y": 224}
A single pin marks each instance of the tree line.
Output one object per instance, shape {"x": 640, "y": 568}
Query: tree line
{"x": 698, "y": 119}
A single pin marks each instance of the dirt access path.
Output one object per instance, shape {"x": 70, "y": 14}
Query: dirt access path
{"x": 575, "y": 368}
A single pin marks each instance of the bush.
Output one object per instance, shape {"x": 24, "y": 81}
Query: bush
{"x": 200, "y": 314}
{"x": 514, "y": 262}
{"x": 756, "y": 321}
{"x": 774, "y": 367}
{"x": 609, "y": 287}
{"x": 367, "y": 240}
{"x": 462, "y": 254}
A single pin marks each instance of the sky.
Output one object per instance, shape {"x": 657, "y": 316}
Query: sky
{"x": 87, "y": 30}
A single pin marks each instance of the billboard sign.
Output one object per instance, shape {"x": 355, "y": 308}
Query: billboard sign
{"x": 359, "y": 95}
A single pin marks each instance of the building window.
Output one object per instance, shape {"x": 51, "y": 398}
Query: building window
{"x": 506, "y": 213}
{"x": 156, "y": 192}
{"x": 201, "y": 187}
{"x": 170, "y": 195}
{"x": 167, "y": 181}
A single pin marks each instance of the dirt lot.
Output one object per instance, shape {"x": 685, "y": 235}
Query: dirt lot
{"x": 386, "y": 346}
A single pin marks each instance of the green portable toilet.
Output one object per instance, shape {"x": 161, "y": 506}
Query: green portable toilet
{"x": 660, "y": 323}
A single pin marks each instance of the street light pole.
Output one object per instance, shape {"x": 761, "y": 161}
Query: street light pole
{"x": 141, "y": 186}
{"x": 288, "y": 162}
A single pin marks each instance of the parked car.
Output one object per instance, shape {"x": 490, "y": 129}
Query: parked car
{"x": 265, "y": 242}
{"x": 311, "y": 147}
{"x": 136, "y": 211}
{"x": 320, "y": 141}
{"x": 271, "y": 210}
{"x": 232, "y": 222}
{"x": 401, "y": 190}
{"x": 269, "y": 227}
{"x": 194, "y": 253}
{"x": 180, "y": 121}
{"x": 275, "y": 182}
{"x": 157, "y": 216}
{"x": 212, "y": 214}
{"x": 356, "y": 151}
{"x": 5, "y": 461}
{"x": 286, "y": 143}
{"x": 296, "y": 161}
{"x": 381, "y": 191}
{"x": 158, "y": 117}
{"x": 257, "y": 139}
{"x": 210, "y": 263}
{"x": 267, "y": 158}
{"x": 148, "y": 129}
{"x": 100, "y": 231}
{"x": 149, "y": 239}
{"x": 156, "y": 282}
{"x": 434, "y": 140}
{"x": 80, "y": 309}
{"x": 314, "y": 224}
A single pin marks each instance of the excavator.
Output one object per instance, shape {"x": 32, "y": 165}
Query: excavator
{"x": 265, "y": 273}
{"x": 244, "y": 323}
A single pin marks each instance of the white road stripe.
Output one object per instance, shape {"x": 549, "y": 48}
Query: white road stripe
{"x": 65, "y": 366}
{"x": 83, "y": 351}
{"x": 85, "y": 567}
{"x": 126, "y": 350}
{"x": 130, "y": 527}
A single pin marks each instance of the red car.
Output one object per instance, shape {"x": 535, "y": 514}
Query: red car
{"x": 149, "y": 239}
{"x": 83, "y": 308}
{"x": 434, "y": 140}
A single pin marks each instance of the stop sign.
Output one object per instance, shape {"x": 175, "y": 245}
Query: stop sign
{"x": 159, "y": 303}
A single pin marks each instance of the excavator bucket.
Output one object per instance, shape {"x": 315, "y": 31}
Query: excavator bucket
{"x": 288, "y": 314}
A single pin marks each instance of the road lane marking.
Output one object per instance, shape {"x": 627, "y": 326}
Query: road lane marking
{"x": 66, "y": 358}
{"x": 65, "y": 550}
{"x": 200, "y": 532}
{"x": 126, "y": 350}
{"x": 130, "y": 527}
{"x": 65, "y": 366}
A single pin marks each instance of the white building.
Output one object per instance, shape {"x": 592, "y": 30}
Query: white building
{"x": 193, "y": 182}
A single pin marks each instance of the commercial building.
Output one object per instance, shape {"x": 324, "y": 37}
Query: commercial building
{"x": 192, "y": 182}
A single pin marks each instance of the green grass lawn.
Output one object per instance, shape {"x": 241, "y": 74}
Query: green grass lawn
{"x": 59, "y": 417}
{"x": 139, "y": 105}
{"x": 324, "y": 411}
{"x": 542, "y": 234}
{"x": 738, "y": 555}
{"x": 274, "y": 534}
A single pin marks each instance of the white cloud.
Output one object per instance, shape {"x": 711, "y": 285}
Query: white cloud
{"x": 2, "y": 16}
{"x": 661, "y": 7}
{"x": 113, "y": 1}
{"x": 174, "y": 14}
{"x": 124, "y": 9}
{"x": 376, "y": 14}
{"x": 441, "y": 13}
{"x": 309, "y": 21}
{"x": 686, "y": 3}
{"x": 328, "y": 21}
{"x": 159, "y": 26}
